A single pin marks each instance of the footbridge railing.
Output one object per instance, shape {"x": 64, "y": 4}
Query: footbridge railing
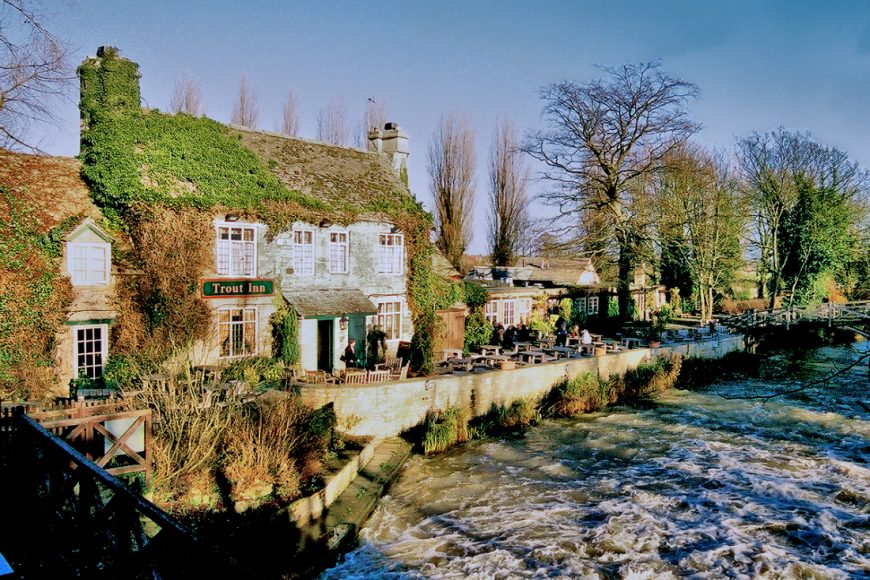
{"x": 833, "y": 314}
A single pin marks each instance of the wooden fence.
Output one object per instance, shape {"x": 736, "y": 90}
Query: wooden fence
{"x": 65, "y": 516}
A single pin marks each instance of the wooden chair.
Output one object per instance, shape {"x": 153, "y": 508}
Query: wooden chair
{"x": 316, "y": 376}
{"x": 355, "y": 377}
{"x": 393, "y": 364}
{"x": 378, "y": 376}
{"x": 402, "y": 374}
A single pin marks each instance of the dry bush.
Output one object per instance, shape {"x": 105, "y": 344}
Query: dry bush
{"x": 160, "y": 309}
{"x": 264, "y": 444}
{"x": 741, "y": 306}
{"x": 186, "y": 438}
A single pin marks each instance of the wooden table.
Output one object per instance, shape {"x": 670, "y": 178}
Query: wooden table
{"x": 564, "y": 351}
{"x": 489, "y": 349}
{"x": 632, "y": 341}
{"x": 521, "y": 346}
{"x": 496, "y": 359}
{"x": 532, "y": 356}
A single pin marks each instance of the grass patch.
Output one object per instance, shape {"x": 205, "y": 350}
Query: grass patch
{"x": 585, "y": 393}
{"x": 445, "y": 430}
{"x": 518, "y": 416}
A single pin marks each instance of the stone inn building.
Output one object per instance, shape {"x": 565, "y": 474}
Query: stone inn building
{"x": 342, "y": 264}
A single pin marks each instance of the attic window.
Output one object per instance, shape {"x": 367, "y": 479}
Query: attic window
{"x": 89, "y": 263}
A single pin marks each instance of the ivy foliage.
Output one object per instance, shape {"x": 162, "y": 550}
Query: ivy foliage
{"x": 33, "y": 298}
{"x": 285, "y": 336}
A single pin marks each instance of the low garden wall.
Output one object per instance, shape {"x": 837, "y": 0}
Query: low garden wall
{"x": 387, "y": 409}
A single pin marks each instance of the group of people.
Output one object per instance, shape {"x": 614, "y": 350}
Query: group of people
{"x": 508, "y": 337}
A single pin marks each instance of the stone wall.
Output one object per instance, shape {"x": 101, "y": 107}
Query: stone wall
{"x": 385, "y": 410}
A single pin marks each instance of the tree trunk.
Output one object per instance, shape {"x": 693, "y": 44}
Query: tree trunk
{"x": 623, "y": 285}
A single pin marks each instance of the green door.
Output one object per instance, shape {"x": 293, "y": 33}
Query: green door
{"x": 357, "y": 329}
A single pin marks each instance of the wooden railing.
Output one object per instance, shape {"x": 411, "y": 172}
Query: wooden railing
{"x": 68, "y": 517}
{"x": 833, "y": 314}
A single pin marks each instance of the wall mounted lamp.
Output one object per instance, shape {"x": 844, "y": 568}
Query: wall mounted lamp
{"x": 343, "y": 322}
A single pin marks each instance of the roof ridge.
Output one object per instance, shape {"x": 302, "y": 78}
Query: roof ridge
{"x": 302, "y": 139}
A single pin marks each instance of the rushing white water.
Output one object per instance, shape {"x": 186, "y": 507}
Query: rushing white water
{"x": 699, "y": 486}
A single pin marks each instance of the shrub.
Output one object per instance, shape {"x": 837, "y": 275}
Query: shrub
{"x": 254, "y": 370}
{"x": 376, "y": 346}
{"x": 520, "y": 414}
{"x": 285, "y": 335}
{"x": 478, "y": 331}
{"x": 445, "y": 429}
{"x": 640, "y": 384}
{"x": 585, "y": 393}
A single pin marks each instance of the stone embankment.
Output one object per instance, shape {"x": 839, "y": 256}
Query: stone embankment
{"x": 385, "y": 410}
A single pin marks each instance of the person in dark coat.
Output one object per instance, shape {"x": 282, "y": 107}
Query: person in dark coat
{"x": 349, "y": 356}
{"x": 498, "y": 334}
{"x": 561, "y": 332}
{"x": 510, "y": 337}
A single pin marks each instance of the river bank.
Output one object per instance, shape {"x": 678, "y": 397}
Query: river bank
{"x": 698, "y": 485}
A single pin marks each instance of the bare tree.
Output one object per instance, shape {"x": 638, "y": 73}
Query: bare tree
{"x": 187, "y": 97}
{"x": 605, "y": 138}
{"x": 374, "y": 117}
{"x": 508, "y": 181}
{"x": 33, "y": 71}
{"x": 452, "y": 160}
{"x": 698, "y": 200}
{"x": 332, "y": 124}
{"x": 289, "y": 124}
{"x": 246, "y": 108}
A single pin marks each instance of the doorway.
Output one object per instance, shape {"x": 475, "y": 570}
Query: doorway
{"x": 324, "y": 344}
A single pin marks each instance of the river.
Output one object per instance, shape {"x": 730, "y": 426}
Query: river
{"x": 698, "y": 486}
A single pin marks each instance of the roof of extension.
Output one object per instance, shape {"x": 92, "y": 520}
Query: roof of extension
{"x": 330, "y": 302}
{"x": 50, "y": 187}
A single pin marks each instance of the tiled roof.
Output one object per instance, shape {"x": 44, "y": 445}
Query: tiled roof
{"x": 330, "y": 302}
{"x": 343, "y": 177}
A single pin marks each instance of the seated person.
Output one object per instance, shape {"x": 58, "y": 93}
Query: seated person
{"x": 510, "y": 337}
{"x": 585, "y": 341}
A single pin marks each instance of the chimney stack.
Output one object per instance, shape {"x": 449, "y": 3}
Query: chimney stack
{"x": 394, "y": 142}
{"x": 375, "y": 144}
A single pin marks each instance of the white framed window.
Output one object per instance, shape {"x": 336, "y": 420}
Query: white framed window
{"x": 90, "y": 349}
{"x": 338, "y": 254}
{"x": 580, "y": 304}
{"x": 237, "y": 330}
{"x": 89, "y": 264}
{"x": 592, "y": 305}
{"x": 509, "y": 311}
{"x": 392, "y": 254}
{"x": 303, "y": 252}
{"x": 236, "y": 250}
{"x": 490, "y": 311}
{"x": 390, "y": 317}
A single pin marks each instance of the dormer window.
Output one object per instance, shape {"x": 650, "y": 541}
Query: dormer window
{"x": 89, "y": 263}
{"x": 236, "y": 250}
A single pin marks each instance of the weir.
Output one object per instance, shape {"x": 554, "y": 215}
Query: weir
{"x": 385, "y": 410}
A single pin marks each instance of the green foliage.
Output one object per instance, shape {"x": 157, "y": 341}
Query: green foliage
{"x": 445, "y": 429}
{"x": 816, "y": 241}
{"x": 674, "y": 270}
{"x": 423, "y": 343}
{"x": 478, "y": 331}
{"x": 122, "y": 370}
{"x": 475, "y": 295}
{"x": 255, "y": 370}
{"x": 33, "y": 298}
{"x": 612, "y": 307}
{"x": 285, "y": 336}
{"x": 578, "y": 315}
{"x": 697, "y": 373}
{"x": 519, "y": 415}
{"x": 565, "y": 308}
{"x": 376, "y": 346}
{"x": 585, "y": 393}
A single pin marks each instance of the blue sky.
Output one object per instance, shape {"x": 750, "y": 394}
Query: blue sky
{"x": 759, "y": 64}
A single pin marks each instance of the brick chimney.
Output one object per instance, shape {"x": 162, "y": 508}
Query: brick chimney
{"x": 394, "y": 143}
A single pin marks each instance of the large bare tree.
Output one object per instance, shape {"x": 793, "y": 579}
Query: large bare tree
{"x": 452, "y": 160}
{"x": 332, "y": 123}
{"x": 289, "y": 124}
{"x": 246, "y": 108}
{"x": 186, "y": 97}
{"x": 508, "y": 182}
{"x": 603, "y": 141}
{"x": 33, "y": 72}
